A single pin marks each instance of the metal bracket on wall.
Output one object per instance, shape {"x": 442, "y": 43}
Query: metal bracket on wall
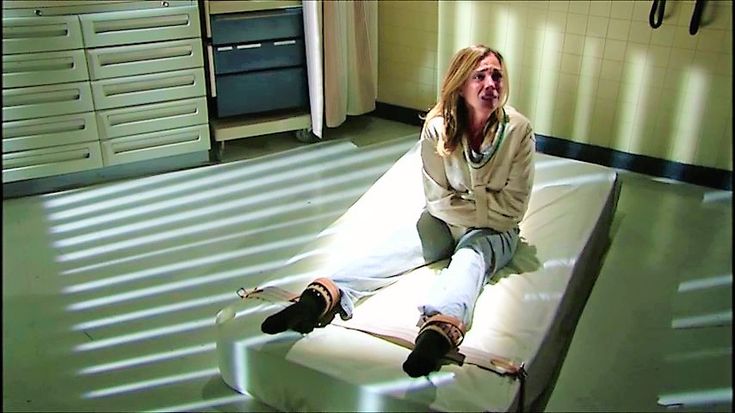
{"x": 656, "y": 16}
{"x": 696, "y": 17}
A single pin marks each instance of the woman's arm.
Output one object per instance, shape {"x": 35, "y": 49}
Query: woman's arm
{"x": 511, "y": 202}
{"x": 442, "y": 200}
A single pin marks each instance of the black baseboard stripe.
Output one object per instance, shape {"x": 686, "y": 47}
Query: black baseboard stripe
{"x": 693, "y": 174}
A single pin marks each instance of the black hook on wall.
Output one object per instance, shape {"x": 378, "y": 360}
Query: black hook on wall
{"x": 696, "y": 17}
{"x": 656, "y": 17}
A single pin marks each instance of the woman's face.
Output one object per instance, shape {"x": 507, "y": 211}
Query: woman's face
{"x": 484, "y": 87}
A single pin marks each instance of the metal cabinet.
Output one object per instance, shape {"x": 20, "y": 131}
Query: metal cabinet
{"x": 256, "y": 64}
{"x": 259, "y": 61}
{"x": 93, "y": 84}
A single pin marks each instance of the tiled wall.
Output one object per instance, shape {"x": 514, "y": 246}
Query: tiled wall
{"x": 589, "y": 71}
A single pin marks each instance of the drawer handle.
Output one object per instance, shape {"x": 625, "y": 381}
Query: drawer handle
{"x": 254, "y": 15}
{"x": 141, "y": 23}
{"x": 21, "y": 160}
{"x": 35, "y": 31}
{"x": 224, "y": 49}
{"x": 159, "y": 53}
{"x": 248, "y": 46}
{"x": 27, "y": 131}
{"x": 157, "y": 114}
{"x": 284, "y": 42}
{"x": 150, "y": 143}
{"x": 149, "y": 85}
{"x": 38, "y": 98}
{"x": 39, "y": 65}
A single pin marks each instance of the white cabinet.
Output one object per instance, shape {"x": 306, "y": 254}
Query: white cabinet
{"x": 93, "y": 84}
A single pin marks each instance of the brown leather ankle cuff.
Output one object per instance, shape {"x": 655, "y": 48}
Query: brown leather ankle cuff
{"x": 331, "y": 294}
{"x": 450, "y": 327}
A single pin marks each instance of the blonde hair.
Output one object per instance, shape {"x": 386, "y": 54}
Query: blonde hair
{"x": 451, "y": 105}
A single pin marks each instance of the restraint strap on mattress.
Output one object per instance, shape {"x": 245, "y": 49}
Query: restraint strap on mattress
{"x": 467, "y": 354}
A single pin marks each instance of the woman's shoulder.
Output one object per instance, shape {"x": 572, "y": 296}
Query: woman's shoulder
{"x": 514, "y": 116}
{"x": 433, "y": 127}
{"x": 516, "y": 119}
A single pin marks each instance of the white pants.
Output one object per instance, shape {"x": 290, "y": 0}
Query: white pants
{"x": 475, "y": 257}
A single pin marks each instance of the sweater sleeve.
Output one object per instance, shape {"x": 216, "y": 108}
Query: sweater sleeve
{"x": 511, "y": 202}
{"x": 442, "y": 201}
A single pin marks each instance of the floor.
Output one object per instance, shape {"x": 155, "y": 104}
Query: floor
{"x": 110, "y": 291}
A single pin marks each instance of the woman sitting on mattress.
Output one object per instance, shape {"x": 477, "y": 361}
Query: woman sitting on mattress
{"x": 477, "y": 156}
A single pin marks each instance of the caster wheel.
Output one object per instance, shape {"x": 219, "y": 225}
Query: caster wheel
{"x": 305, "y": 136}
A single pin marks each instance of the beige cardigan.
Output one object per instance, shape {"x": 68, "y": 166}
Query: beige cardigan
{"x": 490, "y": 195}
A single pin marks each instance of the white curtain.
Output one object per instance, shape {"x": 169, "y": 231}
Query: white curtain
{"x": 342, "y": 59}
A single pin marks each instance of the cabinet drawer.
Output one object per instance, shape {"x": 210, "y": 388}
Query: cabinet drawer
{"x": 34, "y": 69}
{"x": 140, "y": 26}
{"x": 57, "y": 160}
{"x": 51, "y": 131}
{"x": 257, "y": 56}
{"x": 50, "y": 100}
{"x": 155, "y": 145}
{"x": 157, "y": 87}
{"x": 262, "y": 91}
{"x": 135, "y": 120}
{"x": 257, "y": 26}
{"x": 41, "y": 34}
{"x": 110, "y": 62}
{"x": 230, "y": 6}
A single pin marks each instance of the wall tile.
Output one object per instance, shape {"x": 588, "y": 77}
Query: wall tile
{"x": 608, "y": 89}
{"x": 614, "y": 49}
{"x": 571, "y": 63}
{"x": 562, "y": 6}
{"x": 710, "y": 40}
{"x": 640, "y": 32}
{"x": 611, "y": 70}
{"x": 658, "y": 56}
{"x": 590, "y": 66}
{"x": 567, "y": 83}
{"x": 724, "y": 160}
{"x": 641, "y": 10}
{"x": 684, "y": 40}
{"x": 618, "y": 29}
{"x": 594, "y": 46}
{"x": 577, "y": 24}
{"x": 557, "y": 21}
{"x": 664, "y": 35}
{"x": 573, "y": 43}
{"x": 597, "y": 26}
{"x": 621, "y": 9}
{"x": 587, "y": 85}
{"x": 579, "y": 7}
{"x": 600, "y": 8}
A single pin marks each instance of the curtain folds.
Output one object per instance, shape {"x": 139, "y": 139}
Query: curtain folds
{"x": 342, "y": 59}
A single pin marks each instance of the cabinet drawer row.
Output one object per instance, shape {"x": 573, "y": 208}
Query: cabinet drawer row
{"x": 102, "y": 125}
{"x": 67, "y": 98}
{"x": 56, "y": 160}
{"x": 50, "y": 33}
{"x": 36, "y": 69}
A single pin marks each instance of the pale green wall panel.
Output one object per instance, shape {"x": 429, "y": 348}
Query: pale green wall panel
{"x": 588, "y": 71}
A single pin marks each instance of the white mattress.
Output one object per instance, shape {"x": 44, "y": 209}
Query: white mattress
{"x": 527, "y": 313}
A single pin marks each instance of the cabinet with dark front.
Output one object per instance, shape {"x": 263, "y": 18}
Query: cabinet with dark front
{"x": 259, "y": 62}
